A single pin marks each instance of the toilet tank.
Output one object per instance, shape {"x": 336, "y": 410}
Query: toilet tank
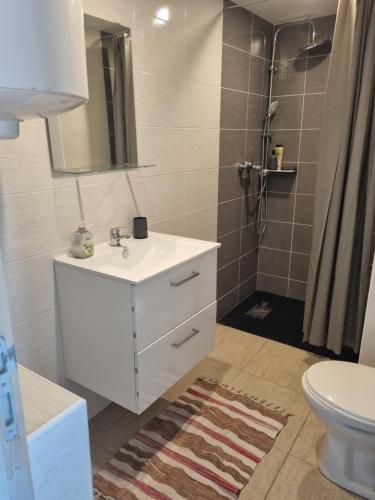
{"x": 42, "y": 60}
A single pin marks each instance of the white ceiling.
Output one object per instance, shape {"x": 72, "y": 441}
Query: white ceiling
{"x": 281, "y": 11}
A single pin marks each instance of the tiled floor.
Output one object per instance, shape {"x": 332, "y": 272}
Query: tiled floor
{"x": 268, "y": 370}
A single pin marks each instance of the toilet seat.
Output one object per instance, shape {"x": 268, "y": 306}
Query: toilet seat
{"x": 346, "y": 389}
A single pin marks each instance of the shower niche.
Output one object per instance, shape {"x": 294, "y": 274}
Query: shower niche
{"x": 101, "y": 134}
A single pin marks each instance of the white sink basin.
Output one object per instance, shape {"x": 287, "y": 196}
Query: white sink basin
{"x": 146, "y": 259}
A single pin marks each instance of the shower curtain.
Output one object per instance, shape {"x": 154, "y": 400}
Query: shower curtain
{"x": 119, "y": 101}
{"x": 344, "y": 211}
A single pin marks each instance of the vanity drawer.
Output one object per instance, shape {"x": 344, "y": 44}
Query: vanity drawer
{"x": 164, "y": 302}
{"x": 165, "y": 361}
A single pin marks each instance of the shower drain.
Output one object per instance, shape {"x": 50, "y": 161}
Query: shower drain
{"x": 259, "y": 311}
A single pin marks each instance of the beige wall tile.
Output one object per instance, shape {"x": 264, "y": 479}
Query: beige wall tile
{"x": 30, "y": 287}
{"x": 205, "y": 17}
{"x": 175, "y": 226}
{"x": 25, "y": 163}
{"x": 170, "y": 11}
{"x": 200, "y": 106}
{"x": 201, "y": 224}
{"x": 159, "y": 47}
{"x": 201, "y": 148}
{"x": 27, "y": 225}
{"x": 160, "y": 101}
{"x": 202, "y": 58}
{"x": 200, "y": 189}
{"x": 163, "y": 196}
{"x": 162, "y": 147}
{"x": 37, "y": 345}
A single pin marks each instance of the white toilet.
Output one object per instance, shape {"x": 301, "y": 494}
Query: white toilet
{"x": 342, "y": 395}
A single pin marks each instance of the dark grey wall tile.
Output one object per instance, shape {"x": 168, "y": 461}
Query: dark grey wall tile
{"x": 227, "y": 303}
{"x": 232, "y": 147}
{"x": 253, "y": 145}
{"x": 258, "y": 83}
{"x": 278, "y": 235}
{"x": 310, "y": 144}
{"x": 230, "y": 248}
{"x": 312, "y": 111}
{"x": 284, "y": 183}
{"x": 325, "y": 27}
{"x": 248, "y": 265}
{"x": 247, "y": 287}
{"x": 229, "y": 217}
{"x": 290, "y": 140}
{"x": 275, "y": 262}
{"x": 233, "y": 109}
{"x": 249, "y": 210}
{"x": 297, "y": 290}
{"x": 227, "y": 278}
{"x": 289, "y": 112}
{"x": 235, "y": 69}
{"x": 229, "y": 184}
{"x": 317, "y": 73}
{"x": 237, "y": 27}
{"x": 290, "y": 40}
{"x": 256, "y": 111}
{"x": 280, "y": 207}
{"x": 272, "y": 284}
{"x": 302, "y": 238}
{"x": 249, "y": 238}
{"x": 299, "y": 267}
{"x": 306, "y": 180}
{"x": 261, "y": 37}
{"x": 290, "y": 77}
{"x": 304, "y": 209}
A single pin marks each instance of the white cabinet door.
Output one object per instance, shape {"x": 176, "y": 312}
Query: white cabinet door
{"x": 15, "y": 476}
{"x": 168, "y": 359}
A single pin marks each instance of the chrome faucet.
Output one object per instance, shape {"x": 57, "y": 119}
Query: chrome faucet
{"x": 116, "y": 234}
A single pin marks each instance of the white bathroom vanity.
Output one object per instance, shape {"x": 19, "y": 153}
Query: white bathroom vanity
{"x": 134, "y": 322}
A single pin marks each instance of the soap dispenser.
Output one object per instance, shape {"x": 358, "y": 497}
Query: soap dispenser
{"x": 82, "y": 239}
{"x": 82, "y": 242}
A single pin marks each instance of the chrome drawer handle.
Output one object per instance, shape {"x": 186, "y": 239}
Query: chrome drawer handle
{"x": 194, "y": 332}
{"x": 194, "y": 274}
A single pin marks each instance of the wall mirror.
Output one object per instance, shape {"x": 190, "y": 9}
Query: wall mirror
{"x": 100, "y": 135}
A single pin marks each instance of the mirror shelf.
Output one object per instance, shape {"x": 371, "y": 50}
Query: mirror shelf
{"x": 104, "y": 168}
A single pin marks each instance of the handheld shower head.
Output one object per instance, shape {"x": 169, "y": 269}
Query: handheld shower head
{"x": 272, "y": 108}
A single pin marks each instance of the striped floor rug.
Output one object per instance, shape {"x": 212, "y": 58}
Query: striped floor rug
{"x": 205, "y": 445}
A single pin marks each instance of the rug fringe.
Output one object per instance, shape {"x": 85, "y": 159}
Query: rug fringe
{"x": 100, "y": 496}
{"x": 262, "y": 402}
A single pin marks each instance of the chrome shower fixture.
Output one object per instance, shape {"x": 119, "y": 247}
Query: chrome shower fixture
{"x": 314, "y": 44}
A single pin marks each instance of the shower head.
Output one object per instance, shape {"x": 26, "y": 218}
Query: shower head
{"x": 315, "y": 44}
{"x": 272, "y": 108}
